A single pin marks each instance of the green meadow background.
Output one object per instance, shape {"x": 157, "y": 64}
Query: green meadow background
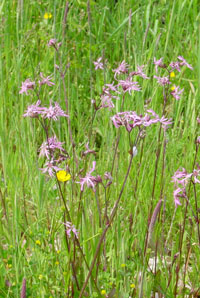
{"x": 32, "y": 243}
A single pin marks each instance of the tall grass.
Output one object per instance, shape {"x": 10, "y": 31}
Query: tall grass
{"x": 145, "y": 249}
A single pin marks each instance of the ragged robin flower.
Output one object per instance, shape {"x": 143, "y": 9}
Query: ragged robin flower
{"x": 63, "y": 176}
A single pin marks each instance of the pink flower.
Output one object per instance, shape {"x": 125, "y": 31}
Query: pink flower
{"x": 106, "y": 102}
{"x": 122, "y": 68}
{"x": 195, "y": 174}
{"x": 70, "y": 228}
{"x": 176, "y": 93}
{"x": 88, "y": 150}
{"x": 51, "y": 145}
{"x": 139, "y": 72}
{"x": 130, "y": 119}
{"x": 50, "y": 168}
{"x": 52, "y": 42}
{"x": 184, "y": 62}
{"x": 98, "y": 64}
{"x": 91, "y": 181}
{"x": 27, "y": 85}
{"x": 162, "y": 80}
{"x": 158, "y": 63}
{"x": 34, "y": 110}
{"x": 128, "y": 85}
{"x": 165, "y": 122}
{"x": 46, "y": 80}
{"x": 178, "y": 193}
{"x": 53, "y": 112}
{"x": 111, "y": 87}
{"x": 175, "y": 65}
{"x": 181, "y": 177}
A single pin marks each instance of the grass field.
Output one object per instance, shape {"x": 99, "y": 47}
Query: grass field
{"x": 130, "y": 228}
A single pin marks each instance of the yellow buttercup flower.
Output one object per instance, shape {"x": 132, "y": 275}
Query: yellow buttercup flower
{"x": 132, "y": 286}
{"x": 172, "y": 74}
{"x": 38, "y": 242}
{"x": 173, "y": 88}
{"x": 63, "y": 176}
{"x": 47, "y": 15}
{"x": 103, "y": 292}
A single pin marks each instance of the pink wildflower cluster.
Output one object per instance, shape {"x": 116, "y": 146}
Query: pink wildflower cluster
{"x": 92, "y": 181}
{"x": 139, "y": 72}
{"x": 180, "y": 180}
{"x": 128, "y": 85}
{"x": 50, "y": 167}
{"x": 89, "y": 180}
{"x": 49, "y": 147}
{"x": 162, "y": 80}
{"x": 53, "y": 112}
{"x": 173, "y": 65}
{"x": 29, "y": 85}
{"x": 130, "y": 119}
{"x": 122, "y": 68}
{"x": 107, "y": 96}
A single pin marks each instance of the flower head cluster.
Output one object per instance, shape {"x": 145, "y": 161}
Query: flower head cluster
{"x": 34, "y": 110}
{"x": 53, "y": 112}
{"x": 158, "y": 63}
{"x": 27, "y": 85}
{"x": 49, "y": 147}
{"x": 139, "y": 72}
{"x": 130, "y": 119}
{"x": 89, "y": 180}
{"x": 162, "y": 80}
{"x": 50, "y": 168}
{"x": 128, "y": 85}
{"x": 122, "y": 68}
{"x": 180, "y": 179}
{"x": 107, "y": 96}
{"x": 173, "y": 65}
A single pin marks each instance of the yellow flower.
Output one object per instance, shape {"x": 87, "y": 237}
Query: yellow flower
{"x": 103, "y": 292}
{"x": 40, "y": 277}
{"x": 57, "y": 263}
{"x": 38, "y": 242}
{"x": 63, "y": 176}
{"x": 172, "y": 74}
{"x": 47, "y": 15}
{"x": 123, "y": 265}
{"x": 132, "y": 286}
{"x": 58, "y": 252}
{"x": 172, "y": 88}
